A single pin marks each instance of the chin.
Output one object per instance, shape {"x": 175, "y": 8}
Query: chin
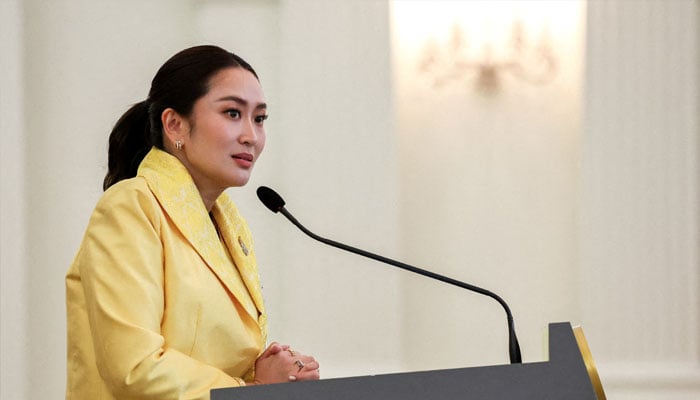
{"x": 239, "y": 181}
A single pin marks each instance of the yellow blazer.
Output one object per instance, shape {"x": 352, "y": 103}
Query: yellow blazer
{"x": 158, "y": 305}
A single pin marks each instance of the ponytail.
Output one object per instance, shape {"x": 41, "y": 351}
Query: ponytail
{"x": 182, "y": 80}
{"x": 129, "y": 143}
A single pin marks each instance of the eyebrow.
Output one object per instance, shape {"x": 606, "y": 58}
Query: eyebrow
{"x": 242, "y": 101}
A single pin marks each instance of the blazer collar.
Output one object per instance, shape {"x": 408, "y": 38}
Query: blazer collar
{"x": 175, "y": 190}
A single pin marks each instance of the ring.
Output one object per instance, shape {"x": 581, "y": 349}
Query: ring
{"x": 291, "y": 352}
{"x": 299, "y": 364}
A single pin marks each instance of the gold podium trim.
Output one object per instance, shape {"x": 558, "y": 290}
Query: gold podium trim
{"x": 590, "y": 364}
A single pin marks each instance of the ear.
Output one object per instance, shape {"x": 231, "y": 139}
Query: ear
{"x": 175, "y": 127}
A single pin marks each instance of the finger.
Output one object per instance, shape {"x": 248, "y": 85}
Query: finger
{"x": 311, "y": 365}
{"x": 308, "y": 375}
{"x": 294, "y": 352}
{"x": 299, "y": 365}
{"x": 272, "y": 349}
{"x": 305, "y": 359}
{"x": 278, "y": 348}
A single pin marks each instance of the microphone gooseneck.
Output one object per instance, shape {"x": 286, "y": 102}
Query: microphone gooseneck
{"x": 275, "y": 203}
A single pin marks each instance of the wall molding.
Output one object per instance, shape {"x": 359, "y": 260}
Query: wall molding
{"x": 640, "y": 217}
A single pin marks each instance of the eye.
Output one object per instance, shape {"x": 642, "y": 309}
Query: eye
{"x": 233, "y": 113}
{"x": 260, "y": 119}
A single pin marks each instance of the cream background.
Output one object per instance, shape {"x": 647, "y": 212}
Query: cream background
{"x": 577, "y": 201}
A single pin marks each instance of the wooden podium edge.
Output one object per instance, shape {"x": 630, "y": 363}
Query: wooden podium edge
{"x": 588, "y": 361}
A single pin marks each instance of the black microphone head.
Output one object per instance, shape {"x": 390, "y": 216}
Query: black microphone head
{"x": 270, "y": 198}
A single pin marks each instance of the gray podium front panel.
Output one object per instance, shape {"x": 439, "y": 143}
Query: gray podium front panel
{"x": 563, "y": 377}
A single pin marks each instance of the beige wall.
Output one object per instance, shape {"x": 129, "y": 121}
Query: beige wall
{"x": 14, "y": 346}
{"x": 640, "y": 177}
{"x": 576, "y": 201}
{"x": 489, "y": 184}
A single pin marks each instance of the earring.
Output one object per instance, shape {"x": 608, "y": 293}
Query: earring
{"x": 178, "y": 144}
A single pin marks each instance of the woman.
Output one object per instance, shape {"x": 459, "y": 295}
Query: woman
{"x": 163, "y": 297}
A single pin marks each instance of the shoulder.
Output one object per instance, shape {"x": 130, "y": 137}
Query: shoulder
{"x": 130, "y": 196}
{"x": 126, "y": 215}
{"x": 136, "y": 187}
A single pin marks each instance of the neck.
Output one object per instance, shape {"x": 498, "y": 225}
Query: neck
{"x": 209, "y": 196}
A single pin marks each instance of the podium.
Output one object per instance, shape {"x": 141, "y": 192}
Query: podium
{"x": 568, "y": 375}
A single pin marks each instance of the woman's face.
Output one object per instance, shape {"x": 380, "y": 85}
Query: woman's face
{"x": 226, "y": 132}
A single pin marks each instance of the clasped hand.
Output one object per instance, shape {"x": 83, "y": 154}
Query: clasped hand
{"x": 279, "y": 363}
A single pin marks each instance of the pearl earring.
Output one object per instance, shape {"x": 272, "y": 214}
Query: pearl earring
{"x": 178, "y": 144}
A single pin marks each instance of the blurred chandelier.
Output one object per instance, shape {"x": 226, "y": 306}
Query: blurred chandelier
{"x": 455, "y": 60}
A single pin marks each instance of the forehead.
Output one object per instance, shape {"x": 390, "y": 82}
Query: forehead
{"x": 236, "y": 82}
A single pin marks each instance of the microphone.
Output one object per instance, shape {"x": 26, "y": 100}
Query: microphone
{"x": 275, "y": 203}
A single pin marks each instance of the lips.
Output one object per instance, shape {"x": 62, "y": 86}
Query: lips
{"x": 243, "y": 160}
{"x": 243, "y": 156}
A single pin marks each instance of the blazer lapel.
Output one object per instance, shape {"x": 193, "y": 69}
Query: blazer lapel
{"x": 239, "y": 242}
{"x": 177, "y": 193}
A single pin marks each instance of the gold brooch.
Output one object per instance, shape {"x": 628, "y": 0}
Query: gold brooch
{"x": 243, "y": 246}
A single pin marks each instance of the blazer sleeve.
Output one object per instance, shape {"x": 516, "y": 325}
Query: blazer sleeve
{"x": 121, "y": 267}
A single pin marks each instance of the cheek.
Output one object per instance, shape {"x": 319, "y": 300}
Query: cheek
{"x": 261, "y": 142}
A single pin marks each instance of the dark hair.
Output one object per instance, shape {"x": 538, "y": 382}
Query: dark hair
{"x": 178, "y": 84}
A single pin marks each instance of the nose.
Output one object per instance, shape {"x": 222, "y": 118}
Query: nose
{"x": 248, "y": 135}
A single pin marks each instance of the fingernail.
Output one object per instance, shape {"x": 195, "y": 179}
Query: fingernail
{"x": 292, "y": 378}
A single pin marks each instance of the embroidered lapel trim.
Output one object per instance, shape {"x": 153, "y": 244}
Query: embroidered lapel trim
{"x": 172, "y": 185}
{"x": 239, "y": 243}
